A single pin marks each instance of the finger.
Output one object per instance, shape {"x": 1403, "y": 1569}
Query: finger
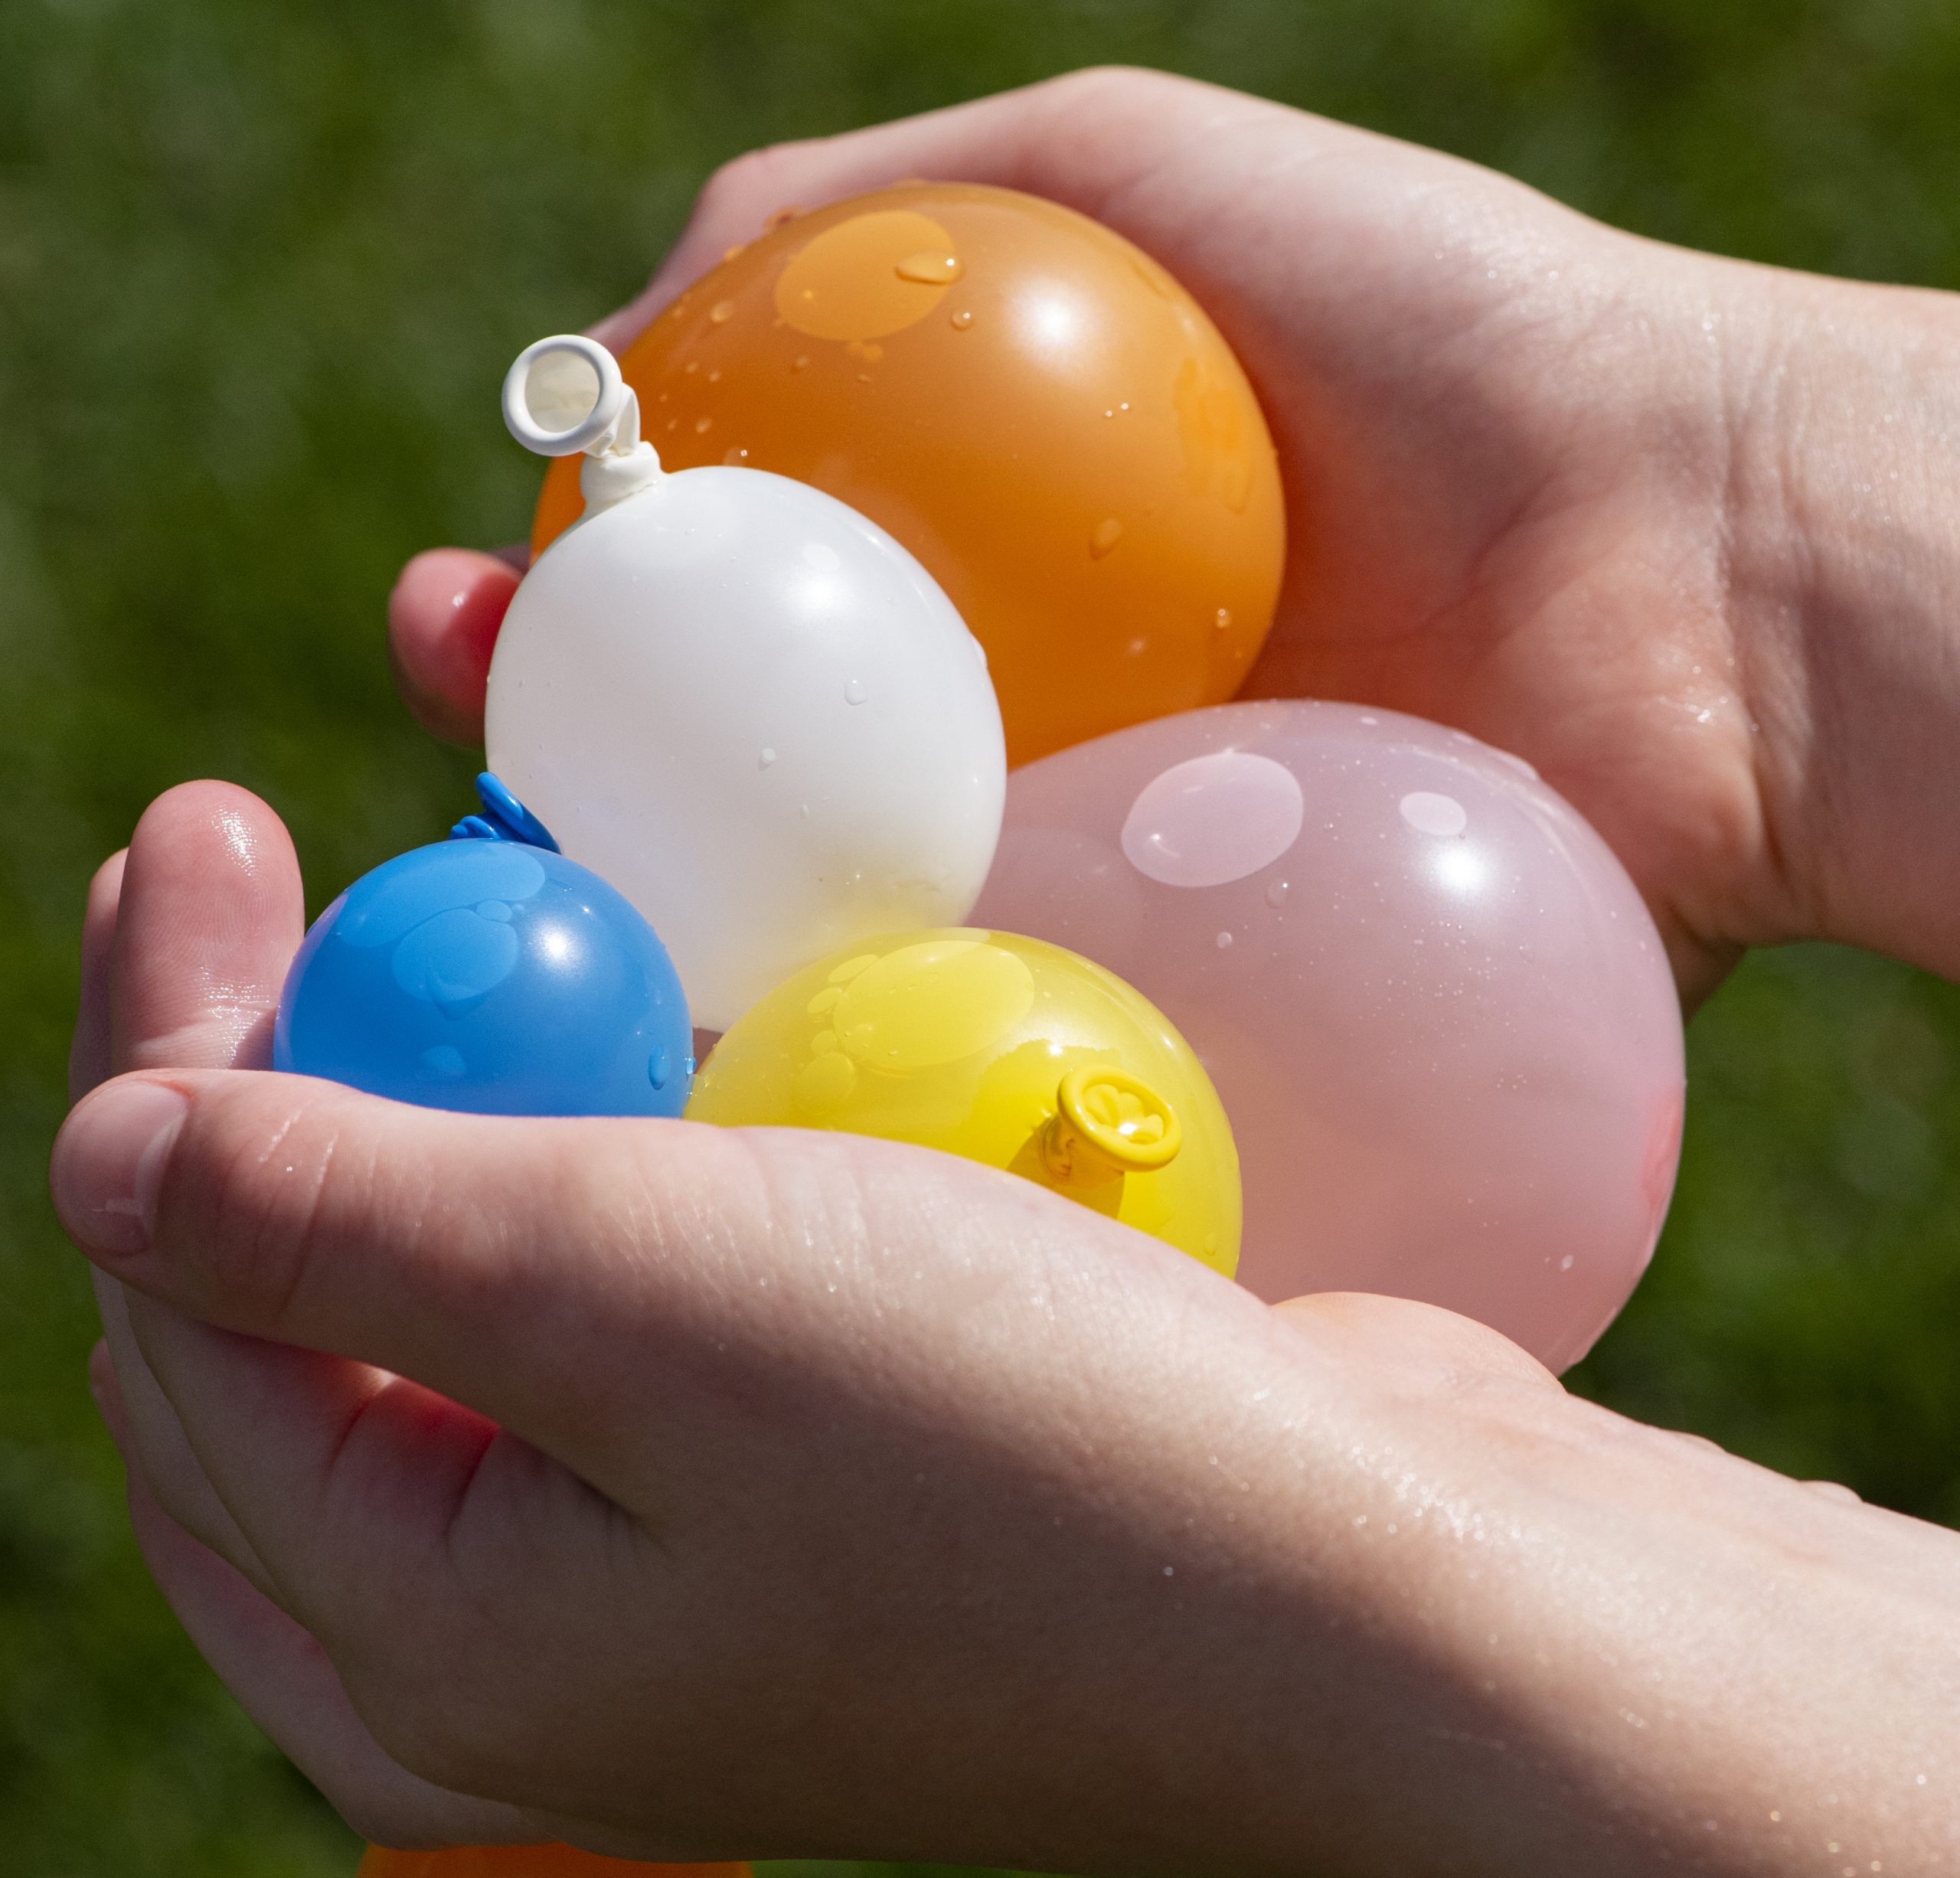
{"x": 284, "y": 1680}
{"x": 443, "y": 618}
{"x": 211, "y": 912}
{"x": 1101, "y": 142}
{"x": 207, "y": 916}
{"x": 151, "y": 1438}
{"x": 88, "y": 1055}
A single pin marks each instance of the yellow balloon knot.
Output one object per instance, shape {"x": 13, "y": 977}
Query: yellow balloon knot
{"x": 1107, "y": 1123}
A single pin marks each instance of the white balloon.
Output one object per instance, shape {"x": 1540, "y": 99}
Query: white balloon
{"x": 756, "y": 715}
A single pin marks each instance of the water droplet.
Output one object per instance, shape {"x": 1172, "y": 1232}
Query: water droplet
{"x": 1565, "y": 1264}
{"x": 857, "y": 279}
{"x": 777, "y": 217}
{"x": 715, "y": 376}
{"x": 854, "y": 692}
{"x": 735, "y": 455}
{"x": 703, "y": 426}
{"x": 768, "y": 757}
{"x": 931, "y": 268}
{"x": 1224, "y": 940}
{"x": 799, "y": 361}
{"x": 693, "y": 365}
{"x": 868, "y": 350}
{"x": 443, "y": 1060}
{"x": 722, "y": 312}
{"x": 673, "y": 423}
{"x": 1429, "y": 813}
{"x": 1275, "y": 894}
{"x": 1108, "y": 532}
{"x": 659, "y": 1067}
{"x": 822, "y": 556}
{"x": 1138, "y": 646}
{"x": 1224, "y": 621}
{"x": 961, "y": 320}
{"x": 729, "y": 254}
{"x": 1370, "y": 720}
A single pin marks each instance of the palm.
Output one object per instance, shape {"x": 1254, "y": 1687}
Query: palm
{"x": 1505, "y": 495}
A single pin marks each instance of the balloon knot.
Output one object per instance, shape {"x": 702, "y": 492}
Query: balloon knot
{"x": 503, "y": 818}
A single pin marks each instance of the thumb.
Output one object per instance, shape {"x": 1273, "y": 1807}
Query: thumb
{"x": 567, "y": 1279}
{"x": 503, "y": 1262}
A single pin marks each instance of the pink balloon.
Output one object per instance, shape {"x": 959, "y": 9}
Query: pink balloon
{"x": 1437, "y": 1010}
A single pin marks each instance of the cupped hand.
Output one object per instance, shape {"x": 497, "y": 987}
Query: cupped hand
{"x": 1537, "y": 485}
{"x": 687, "y": 1493}
{"x": 692, "y": 1491}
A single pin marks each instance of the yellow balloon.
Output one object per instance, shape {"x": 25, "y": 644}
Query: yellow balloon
{"x": 1004, "y": 1049}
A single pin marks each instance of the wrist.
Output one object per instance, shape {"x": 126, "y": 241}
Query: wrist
{"x": 1843, "y": 543}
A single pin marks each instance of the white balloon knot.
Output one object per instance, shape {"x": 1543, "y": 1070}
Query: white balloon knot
{"x": 610, "y": 478}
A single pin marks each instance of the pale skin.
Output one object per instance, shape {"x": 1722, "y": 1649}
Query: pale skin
{"x": 690, "y": 1493}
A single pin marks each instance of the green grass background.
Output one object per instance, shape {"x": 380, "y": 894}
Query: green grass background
{"x": 262, "y": 265}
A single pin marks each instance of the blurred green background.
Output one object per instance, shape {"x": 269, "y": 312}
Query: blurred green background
{"x": 262, "y": 265}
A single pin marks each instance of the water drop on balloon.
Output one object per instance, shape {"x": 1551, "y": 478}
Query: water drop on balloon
{"x": 1428, "y": 813}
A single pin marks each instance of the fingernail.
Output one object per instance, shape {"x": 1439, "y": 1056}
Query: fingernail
{"x": 109, "y": 1164}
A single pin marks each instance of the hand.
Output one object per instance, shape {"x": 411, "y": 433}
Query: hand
{"x": 686, "y": 1493}
{"x": 1621, "y": 507}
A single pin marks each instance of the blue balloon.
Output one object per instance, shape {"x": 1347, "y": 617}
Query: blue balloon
{"x": 489, "y": 973}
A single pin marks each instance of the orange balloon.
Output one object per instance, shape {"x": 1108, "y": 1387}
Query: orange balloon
{"x": 1025, "y": 400}
{"x": 525, "y": 1861}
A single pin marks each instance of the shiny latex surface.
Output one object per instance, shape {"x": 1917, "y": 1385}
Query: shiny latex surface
{"x": 1003, "y": 1049}
{"x": 1436, "y": 1008}
{"x": 490, "y": 976}
{"x": 754, "y": 712}
{"x": 525, "y": 1861}
{"x": 1029, "y": 403}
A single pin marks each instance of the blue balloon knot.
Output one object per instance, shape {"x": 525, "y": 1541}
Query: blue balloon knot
{"x": 503, "y": 818}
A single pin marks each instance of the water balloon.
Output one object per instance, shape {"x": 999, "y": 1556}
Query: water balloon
{"x": 1436, "y": 1008}
{"x": 489, "y": 973}
{"x": 1005, "y": 1050}
{"x": 742, "y": 704}
{"x": 1029, "y": 403}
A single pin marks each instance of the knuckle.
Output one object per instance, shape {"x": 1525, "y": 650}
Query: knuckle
{"x": 1100, "y": 83}
{"x": 420, "y": 1722}
{"x": 742, "y": 185}
{"x": 253, "y": 1202}
{"x": 383, "y": 1808}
